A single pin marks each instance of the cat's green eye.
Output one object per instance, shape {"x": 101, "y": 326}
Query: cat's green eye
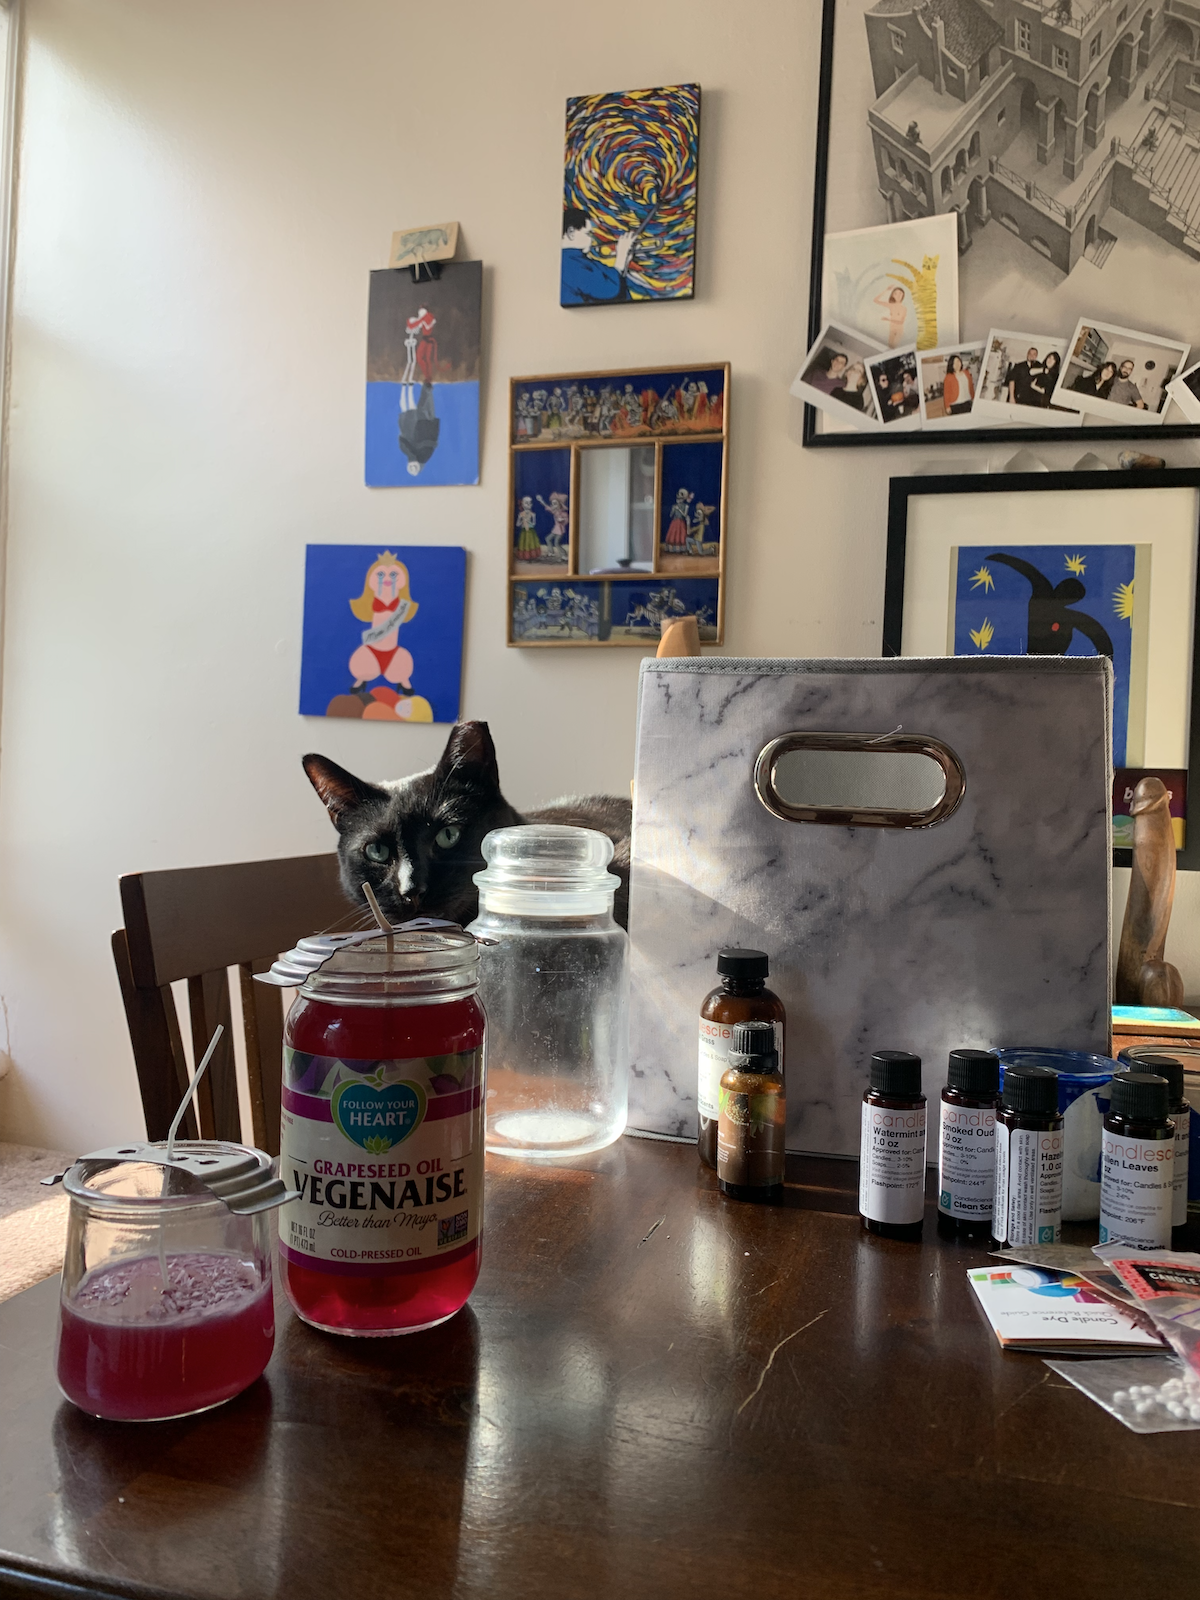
{"x": 376, "y": 851}
{"x": 447, "y": 838}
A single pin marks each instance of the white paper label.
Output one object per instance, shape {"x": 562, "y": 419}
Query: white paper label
{"x": 1029, "y": 1170}
{"x": 1183, "y": 1134}
{"x": 1137, "y": 1190}
{"x": 967, "y": 1162}
{"x": 891, "y": 1170}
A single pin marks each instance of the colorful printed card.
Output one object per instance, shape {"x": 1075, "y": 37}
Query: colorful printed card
{"x": 1033, "y": 1308}
{"x": 1058, "y": 600}
{"x": 383, "y": 632}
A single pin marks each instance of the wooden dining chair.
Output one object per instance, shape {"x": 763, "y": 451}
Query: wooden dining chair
{"x": 196, "y": 923}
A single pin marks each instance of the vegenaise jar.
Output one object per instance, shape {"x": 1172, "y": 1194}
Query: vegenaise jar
{"x": 382, "y": 1133}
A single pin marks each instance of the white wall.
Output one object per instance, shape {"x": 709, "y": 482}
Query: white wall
{"x": 203, "y": 190}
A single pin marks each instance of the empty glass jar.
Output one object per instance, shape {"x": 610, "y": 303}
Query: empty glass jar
{"x": 555, "y": 985}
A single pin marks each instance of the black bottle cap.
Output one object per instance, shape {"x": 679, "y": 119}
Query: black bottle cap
{"x": 974, "y": 1072}
{"x": 1033, "y": 1089}
{"x": 753, "y": 1046}
{"x": 896, "y": 1072}
{"x": 1164, "y": 1066}
{"x": 1143, "y": 1096}
{"x": 743, "y": 963}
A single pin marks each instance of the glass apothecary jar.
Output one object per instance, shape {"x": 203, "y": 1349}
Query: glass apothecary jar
{"x": 554, "y": 980}
{"x": 166, "y": 1303}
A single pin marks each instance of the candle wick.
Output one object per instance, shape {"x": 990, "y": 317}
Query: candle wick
{"x": 384, "y": 925}
{"x": 172, "y": 1131}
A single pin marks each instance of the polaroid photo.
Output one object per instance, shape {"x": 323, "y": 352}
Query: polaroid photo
{"x": 1185, "y": 391}
{"x": 834, "y": 377}
{"x": 1019, "y": 377}
{"x": 948, "y": 379}
{"x": 1119, "y": 374}
{"x": 894, "y": 384}
{"x": 900, "y": 280}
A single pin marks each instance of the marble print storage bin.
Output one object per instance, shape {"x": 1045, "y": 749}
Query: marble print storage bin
{"x": 988, "y": 925}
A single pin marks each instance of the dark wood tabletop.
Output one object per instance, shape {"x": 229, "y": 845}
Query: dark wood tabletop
{"x": 655, "y": 1392}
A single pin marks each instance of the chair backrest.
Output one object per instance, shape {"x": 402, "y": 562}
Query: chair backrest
{"x": 195, "y": 923}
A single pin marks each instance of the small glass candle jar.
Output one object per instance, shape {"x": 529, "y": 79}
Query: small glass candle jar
{"x": 166, "y": 1302}
{"x": 383, "y": 1084}
{"x": 555, "y": 982}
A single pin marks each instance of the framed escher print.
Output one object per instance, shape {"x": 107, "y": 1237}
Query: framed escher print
{"x": 1019, "y": 179}
{"x": 617, "y": 505}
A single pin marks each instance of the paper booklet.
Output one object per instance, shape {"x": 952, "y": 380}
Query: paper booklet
{"x": 1056, "y": 1313}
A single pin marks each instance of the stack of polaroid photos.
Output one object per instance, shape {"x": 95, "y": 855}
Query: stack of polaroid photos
{"x": 918, "y": 373}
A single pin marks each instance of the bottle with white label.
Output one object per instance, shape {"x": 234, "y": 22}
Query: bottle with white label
{"x": 1029, "y": 1159}
{"x": 1181, "y": 1115}
{"x": 967, "y": 1144}
{"x": 1137, "y": 1162}
{"x": 742, "y": 996}
{"x": 891, "y": 1171}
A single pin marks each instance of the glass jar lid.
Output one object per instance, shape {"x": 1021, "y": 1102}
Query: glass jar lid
{"x": 428, "y": 963}
{"x": 543, "y": 869}
{"x": 137, "y": 1178}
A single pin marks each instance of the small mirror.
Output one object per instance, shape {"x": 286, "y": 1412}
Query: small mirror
{"x": 859, "y": 780}
{"x": 616, "y": 510}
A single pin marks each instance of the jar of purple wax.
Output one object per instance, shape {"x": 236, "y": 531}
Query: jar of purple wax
{"x": 166, "y": 1304}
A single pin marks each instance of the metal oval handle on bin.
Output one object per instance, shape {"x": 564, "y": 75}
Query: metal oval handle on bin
{"x": 856, "y": 815}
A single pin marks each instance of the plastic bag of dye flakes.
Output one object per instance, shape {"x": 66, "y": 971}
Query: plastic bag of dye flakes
{"x": 1166, "y": 1286}
{"x": 1149, "y": 1394}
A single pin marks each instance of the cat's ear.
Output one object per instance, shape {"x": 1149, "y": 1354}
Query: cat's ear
{"x": 341, "y": 791}
{"x": 469, "y": 758}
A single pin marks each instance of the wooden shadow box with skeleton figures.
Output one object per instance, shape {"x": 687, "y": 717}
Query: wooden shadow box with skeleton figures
{"x": 616, "y": 510}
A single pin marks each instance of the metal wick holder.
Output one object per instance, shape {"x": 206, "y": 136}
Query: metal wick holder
{"x": 245, "y": 1180}
{"x": 311, "y": 954}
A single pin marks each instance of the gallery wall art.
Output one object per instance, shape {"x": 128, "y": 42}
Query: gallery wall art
{"x": 423, "y": 351}
{"x": 383, "y": 632}
{"x": 629, "y": 196}
{"x": 1057, "y": 143}
{"x": 1064, "y": 564}
{"x": 617, "y": 494}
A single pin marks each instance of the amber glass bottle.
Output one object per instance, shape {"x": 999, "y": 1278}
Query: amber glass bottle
{"x": 742, "y": 996}
{"x": 752, "y": 1126}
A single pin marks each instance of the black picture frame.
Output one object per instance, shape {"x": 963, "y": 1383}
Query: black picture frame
{"x": 994, "y": 436}
{"x": 902, "y": 490}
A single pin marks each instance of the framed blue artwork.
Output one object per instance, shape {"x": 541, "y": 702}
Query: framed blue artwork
{"x": 1066, "y": 564}
{"x": 383, "y": 632}
{"x": 1062, "y": 600}
{"x": 619, "y": 477}
{"x": 423, "y": 342}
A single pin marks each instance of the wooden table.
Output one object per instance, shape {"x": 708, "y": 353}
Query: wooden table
{"x": 654, "y": 1393}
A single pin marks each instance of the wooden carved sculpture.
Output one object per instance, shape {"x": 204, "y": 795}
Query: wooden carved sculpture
{"x": 1144, "y": 978}
{"x": 680, "y": 637}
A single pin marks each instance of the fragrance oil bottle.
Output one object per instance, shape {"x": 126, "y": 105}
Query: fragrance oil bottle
{"x": 1137, "y": 1162}
{"x": 752, "y": 1125}
{"x": 742, "y": 996}
{"x": 891, "y": 1173}
{"x": 1029, "y": 1159}
{"x": 967, "y": 1144}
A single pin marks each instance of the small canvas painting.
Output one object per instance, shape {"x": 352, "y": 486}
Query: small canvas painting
{"x": 423, "y": 343}
{"x": 541, "y": 512}
{"x": 1057, "y": 600}
{"x": 640, "y": 609}
{"x": 566, "y": 612}
{"x": 691, "y": 508}
{"x": 897, "y": 284}
{"x": 383, "y": 632}
{"x": 629, "y": 196}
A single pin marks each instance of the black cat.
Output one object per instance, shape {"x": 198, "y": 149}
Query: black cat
{"x": 416, "y": 841}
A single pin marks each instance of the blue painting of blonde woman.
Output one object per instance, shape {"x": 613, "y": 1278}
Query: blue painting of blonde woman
{"x": 383, "y": 633}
